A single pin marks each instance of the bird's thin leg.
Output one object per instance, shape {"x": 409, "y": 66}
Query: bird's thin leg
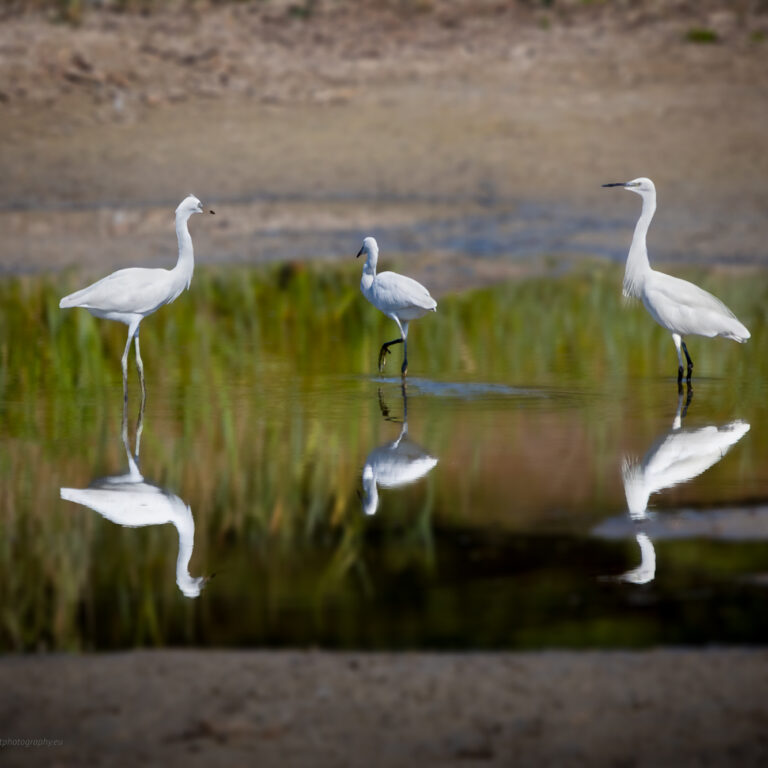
{"x": 140, "y": 366}
{"x": 124, "y": 362}
{"x": 384, "y": 351}
{"x": 678, "y": 341}
{"x": 139, "y": 428}
{"x": 690, "y": 362}
{"x": 688, "y": 398}
{"x": 404, "y": 369}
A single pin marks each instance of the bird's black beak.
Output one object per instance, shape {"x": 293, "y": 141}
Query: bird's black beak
{"x": 616, "y": 184}
{"x": 360, "y": 253}
{"x": 211, "y": 212}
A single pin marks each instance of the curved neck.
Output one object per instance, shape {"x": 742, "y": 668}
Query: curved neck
{"x": 370, "y": 491}
{"x": 638, "y": 266}
{"x": 369, "y": 271}
{"x": 185, "y": 526}
{"x": 186, "y": 262}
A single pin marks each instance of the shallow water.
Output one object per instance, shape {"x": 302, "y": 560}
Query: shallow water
{"x": 285, "y": 494}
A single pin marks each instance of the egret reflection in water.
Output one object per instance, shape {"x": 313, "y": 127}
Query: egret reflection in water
{"x": 676, "y": 457}
{"x": 129, "y": 500}
{"x": 395, "y": 463}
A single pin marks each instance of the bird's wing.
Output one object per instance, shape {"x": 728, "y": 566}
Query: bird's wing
{"x": 396, "y": 292}
{"x": 134, "y": 290}
{"x": 686, "y": 307}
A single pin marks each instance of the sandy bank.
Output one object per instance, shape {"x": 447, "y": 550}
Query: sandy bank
{"x": 655, "y": 708}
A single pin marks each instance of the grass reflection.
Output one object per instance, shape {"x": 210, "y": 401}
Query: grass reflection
{"x": 262, "y": 408}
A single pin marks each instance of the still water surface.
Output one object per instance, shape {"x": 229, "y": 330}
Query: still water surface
{"x": 278, "y": 508}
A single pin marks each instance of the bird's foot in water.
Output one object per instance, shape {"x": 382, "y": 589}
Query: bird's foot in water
{"x": 680, "y": 375}
{"x": 383, "y": 352}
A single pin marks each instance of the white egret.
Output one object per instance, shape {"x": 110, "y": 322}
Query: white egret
{"x": 129, "y": 500}
{"x": 129, "y": 295}
{"x": 397, "y": 296}
{"x": 394, "y": 464}
{"x": 679, "y": 306}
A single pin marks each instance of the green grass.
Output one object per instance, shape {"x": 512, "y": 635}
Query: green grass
{"x": 260, "y": 416}
{"x": 701, "y": 35}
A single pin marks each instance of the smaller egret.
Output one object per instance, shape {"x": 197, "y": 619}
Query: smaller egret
{"x": 677, "y": 305}
{"x": 397, "y": 296}
{"x": 129, "y": 295}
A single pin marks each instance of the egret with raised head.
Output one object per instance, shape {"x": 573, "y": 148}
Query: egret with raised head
{"x": 129, "y": 295}
{"x": 398, "y": 297}
{"x": 681, "y": 307}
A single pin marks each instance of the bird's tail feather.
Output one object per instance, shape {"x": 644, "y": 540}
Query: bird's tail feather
{"x": 738, "y": 332}
{"x": 74, "y": 299}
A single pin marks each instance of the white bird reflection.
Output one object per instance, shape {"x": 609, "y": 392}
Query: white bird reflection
{"x": 674, "y": 458}
{"x": 394, "y": 464}
{"x": 130, "y": 501}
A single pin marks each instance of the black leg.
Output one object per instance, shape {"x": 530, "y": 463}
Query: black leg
{"x": 690, "y": 363}
{"x": 680, "y": 379}
{"x": 688, "y": 399}
{"x": 404, "y": 369}
{"x": 384, "y": 351}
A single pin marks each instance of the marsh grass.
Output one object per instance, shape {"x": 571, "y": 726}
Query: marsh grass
{"x": 260, "y": 417}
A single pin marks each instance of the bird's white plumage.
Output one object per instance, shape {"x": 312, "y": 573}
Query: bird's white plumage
{"x": 399, "y": 297}
{"x": 129, "y": 295}
{"x": 681, "y": 307}
{"x": 135, "y": 291}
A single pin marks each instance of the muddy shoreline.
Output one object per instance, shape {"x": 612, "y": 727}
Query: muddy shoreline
{"x": 651, "y": 708}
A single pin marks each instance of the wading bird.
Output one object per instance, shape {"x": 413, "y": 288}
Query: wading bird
{"x": 129, "y": 295}
{"x": 397, "y": 296}
{"x": 679, "y": 306}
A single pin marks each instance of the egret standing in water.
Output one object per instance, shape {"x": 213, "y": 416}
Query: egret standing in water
{"x": 397, "y": 296}
{"x": 129, "y": 295}
{"x": 677, "y": 305}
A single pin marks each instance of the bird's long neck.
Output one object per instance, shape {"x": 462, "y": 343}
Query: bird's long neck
{"x": 185, "y": 526}
{"x": 370, "y": 491}
{"x": 369, "y": 272}
{"x": 638, "y": 267}
{"x": 185, "y": 265}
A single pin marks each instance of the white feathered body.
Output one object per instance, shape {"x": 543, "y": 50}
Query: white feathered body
{"x": 685, "y": 309}
{"x": 397, "y": 295}
{"x": 129, "y": 293}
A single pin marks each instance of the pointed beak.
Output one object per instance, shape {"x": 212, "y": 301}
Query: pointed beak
{"x": 360, "y": 253}
{"x": 616, "y": 184}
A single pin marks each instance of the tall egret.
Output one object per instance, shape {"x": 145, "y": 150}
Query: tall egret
{"x": 129, "y": 295}
{"x": 394, "y": 464}
{"x": 397, "y": 296}
{"x": 130, "y": 501}
{"x": 677, "y": 305}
